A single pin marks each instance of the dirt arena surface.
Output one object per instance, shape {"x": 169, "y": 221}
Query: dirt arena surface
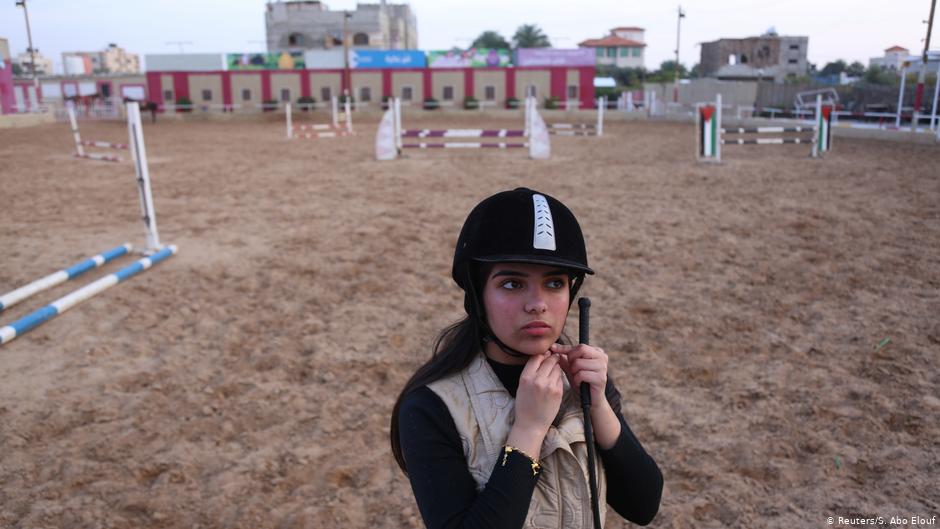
{"x": 248, "y": 381}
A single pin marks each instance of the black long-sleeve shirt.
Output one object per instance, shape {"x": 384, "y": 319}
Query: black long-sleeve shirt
{"x": 446, "y": 493}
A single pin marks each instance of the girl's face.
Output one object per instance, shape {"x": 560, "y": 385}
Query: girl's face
{"x": 526, "y": 307}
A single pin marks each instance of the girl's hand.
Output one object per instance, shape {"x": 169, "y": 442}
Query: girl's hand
{"x": 539, "y": 395}
{"x": 585, "y": 363}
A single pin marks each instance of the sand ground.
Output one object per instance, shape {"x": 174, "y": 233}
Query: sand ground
{"x": 248, "y": 381}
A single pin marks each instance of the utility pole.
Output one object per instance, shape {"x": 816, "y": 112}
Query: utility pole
{"x": 919, "y": 94}
{"x": 32, "y": 51}
{"x": 346, "y": 16}
{"x": 675, "y": 88}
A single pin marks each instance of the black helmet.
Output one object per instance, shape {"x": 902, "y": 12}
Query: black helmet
{"x": 519, "y": 226}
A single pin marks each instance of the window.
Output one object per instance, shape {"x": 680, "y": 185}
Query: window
{"x": 246, "y": 95}
{"x": 795, "y": 47}
{"x": 407, "y": 93}
{"x": 732, "y": 59}
{"x": 600, "y": 52}
{"x": 743, "y": 59}
{"x": 448, "y": 93}
{"x": 793, "y": 61}
{"x": 489, "y": 92}
{"x": 637, "y": 52}
{"x": 326, "y": 94}
{"x": 611, "y": 52}
{"x": 207, "y": 95}
{"x": 295, "y": 39}
{"x": 168, "y": 95}
{"x": 365, "y": 94}
{"x": 360, "y": 39}
{"x": 285, "y": 95}
{"x": 625, "y": 52}
{"x": 530, "y": 91}
{"x": 572, "y": 91}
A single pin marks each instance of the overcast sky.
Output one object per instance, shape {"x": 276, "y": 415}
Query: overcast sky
{"x": 837, "y": 29}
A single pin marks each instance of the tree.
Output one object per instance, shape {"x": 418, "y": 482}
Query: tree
{"x": 667, "y": 72}
{"x": 626, "y": 77}
{"x": 530, "y": 36}
{"x": 490, "y": 39}
{"x": 17, "y": 69}
{"x": 881, "y": 76}
{"x": 696, "y": 71}
{"x": 856, "y": 69}
{"x": 834, "y": 68}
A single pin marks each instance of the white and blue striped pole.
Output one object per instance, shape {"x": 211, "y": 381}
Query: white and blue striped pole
{"x": 31, "y": 321}
{"x": 12, "y": 298}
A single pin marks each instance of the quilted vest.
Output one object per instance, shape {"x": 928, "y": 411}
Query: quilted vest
{"x": 484, "y": 412}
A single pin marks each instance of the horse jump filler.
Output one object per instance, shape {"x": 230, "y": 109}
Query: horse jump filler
{"x": 321, "y": 130}
{"x": 80, "y": 144}
{"x": 709, "y": 132}
{"x": 155, "y": 253}
{"x": 580, "y": 129}
{"x": 389, "y": 144}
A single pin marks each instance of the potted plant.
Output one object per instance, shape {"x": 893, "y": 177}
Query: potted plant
{"x": 551, "y": 103}
{"x": 306, "y": 103}
{"x": 512, "y": 102}
{"x": 471, "y": 103}
{"x": 184, "y": 104}
{"x": 430, "y": 103}
{"x": 269, "y": 105}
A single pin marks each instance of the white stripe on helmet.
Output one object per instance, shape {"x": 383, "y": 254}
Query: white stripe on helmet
{"x": 544, "y": 236}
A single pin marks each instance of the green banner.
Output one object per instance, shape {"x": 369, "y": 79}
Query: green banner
{"x": 472, "y": 58}
{"x": 266, "y": 61}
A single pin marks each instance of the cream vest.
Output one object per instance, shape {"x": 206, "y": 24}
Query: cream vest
{"x": 484, "y": 412}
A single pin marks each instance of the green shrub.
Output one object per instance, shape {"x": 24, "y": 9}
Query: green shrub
{"x": 430, "y": 103}
{"x": 269, "y": 105}
{"x": 184, "y": 104}
{"x": 551, "y": 103}
{"x": 512, "y": 102}
{"x": 471, "y": 103}
{"x": 306, "y": 103}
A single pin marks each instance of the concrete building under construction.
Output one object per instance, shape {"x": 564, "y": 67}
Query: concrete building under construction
{"x": 767, "y": 57}
{"x": 301, "y": 25}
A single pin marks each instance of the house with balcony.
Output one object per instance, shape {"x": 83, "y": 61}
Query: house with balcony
{"x": 624, "y": 48}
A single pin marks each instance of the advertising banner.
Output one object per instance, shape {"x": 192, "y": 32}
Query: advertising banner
{"x": 472, "y": 58}
{"x": 553, "y": 57}
{"x": 189, "y": 62}
{"x": 266, "y": 61}
{"x": 324, "y": 59}
{"x": 386, "y": 59}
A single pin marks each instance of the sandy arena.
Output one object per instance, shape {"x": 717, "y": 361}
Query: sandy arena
{"x": 248, "y": 381}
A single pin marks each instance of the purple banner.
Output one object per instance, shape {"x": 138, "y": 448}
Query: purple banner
{"x": 552, "y": 57}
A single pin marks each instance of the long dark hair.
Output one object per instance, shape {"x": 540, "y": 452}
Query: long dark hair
{"x": 454, "y": 349}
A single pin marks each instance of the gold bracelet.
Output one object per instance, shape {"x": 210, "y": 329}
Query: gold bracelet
{"x": 536, "y": 467}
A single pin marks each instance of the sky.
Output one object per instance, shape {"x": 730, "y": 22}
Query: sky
{"x": 837, "y": 29}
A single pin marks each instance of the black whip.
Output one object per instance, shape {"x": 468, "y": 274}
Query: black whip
{"x": 584, "y": 308}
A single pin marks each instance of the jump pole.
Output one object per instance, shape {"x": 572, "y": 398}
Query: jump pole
{"x": 12, "y": 298}
{"x": 333, "y": 126}
{"x": 80, "y": 150}
{"x": 33, "y": 320}
{"x": 148, "y": 215}
{"x": 155, "y": 251}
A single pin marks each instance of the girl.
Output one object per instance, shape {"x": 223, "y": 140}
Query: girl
{"x": 489, "y": 431}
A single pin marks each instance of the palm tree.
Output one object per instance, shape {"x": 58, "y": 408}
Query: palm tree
{"x": 490, "y": 39}
{"x": 530, "y": 36}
